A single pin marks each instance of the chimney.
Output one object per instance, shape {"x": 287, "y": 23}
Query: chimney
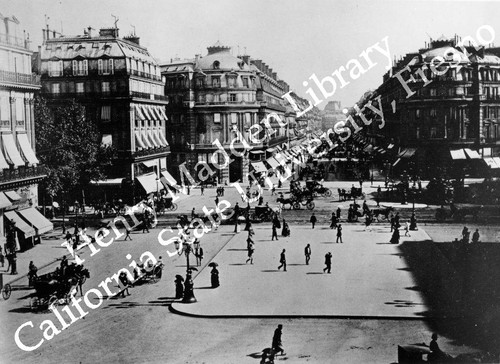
{"x": 133, "y": 38}
{"x": 89, "y": 32}
{"x": 108, "y": 32}
{"x": 257, "y": 63}
{"x": 246, "y": 59}
{"x": 43, "y": 34}
{"x": 275, "y": 76}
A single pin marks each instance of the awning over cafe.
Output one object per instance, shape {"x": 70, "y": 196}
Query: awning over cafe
{"x": 36, "y": 220}
{"x": 472, "y": 154}
{"x": 138, "y": 140}
{"x": 26, "y": 149}
{"x": 259, "y": 167}
{"x": 168, "y": 178}
{"x": 457, "y": 154}
{"x": 149, "y": 183}
{"x": 273, "y": 162}
{"x": 12, "y": 196}
{"x": 4, "y": 201}
{"x": 10, "y": 150}
{"x": 491, "y": 162}
{"x": 27, "y": 230}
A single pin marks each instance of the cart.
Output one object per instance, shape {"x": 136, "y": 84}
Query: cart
{"x": 5, "y": 289}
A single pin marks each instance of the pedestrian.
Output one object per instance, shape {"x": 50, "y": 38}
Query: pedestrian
{"x": 32, "y": 269}
{"x": 2, "y": 257}
{"x": 333, "y": 221}
{"x": 286, "y": 229}
{"x": 465, "y": 233}
{"x": 202, "y": 189}
{"x": 236, "y": 215}
{"x": 282, "y": 261}
{"x": 199, "y": 256}
{"x": 179, "y": 287}
{"x": 127, "y": 232}
{"x": 217, "y": 198}
{"x": 328, "y": 262}
{"x": 475, "y": 236}
{"x": 368, "y": 221}
{"x": 273, "y": 190}
{"x": 277, "y": 345}
{"x": 313, "y": 220}
{"x": 275, "y": 232}
{"x": 397, "y": 225}
{"x": 407, "y": 229}
{"x": 214, "y": 276}
{"x": 193, "y": 213}
{"x": 413, "y": 222}
{"x": 338, "y": 213}
{"x": 395, "y": 236}
{"x": 251, "y": 250}
{"x": 189, "y": 189}
{"x": 307, "y": 253}
{"x": 339, "y": 233}
{"x": 392, "y": 221}
{"x": 125, "y": 283}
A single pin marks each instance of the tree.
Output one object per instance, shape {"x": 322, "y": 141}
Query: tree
{"x": 69, "y": 145}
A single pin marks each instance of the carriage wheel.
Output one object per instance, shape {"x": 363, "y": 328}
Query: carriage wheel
{"x": 173, "y": 207}
{"x": 7, "y": 289}
{"x": 327, "y": 193}
{"x": 254, "y": 217}
{"x": 296, "y": 206}
{"x": 310, "y": 205}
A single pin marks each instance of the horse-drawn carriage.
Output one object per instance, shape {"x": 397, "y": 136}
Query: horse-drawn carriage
{"x": 317, "y": 188}
{"x": 297, "y": 199}
{"x": 148, "y": 274}
{"x": 263, "y": 213}
{"x": 457, "y": 213}
{"x": 57, "y": 287}
{"x": 351, "y": 193}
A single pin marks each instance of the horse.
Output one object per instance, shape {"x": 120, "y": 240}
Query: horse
{"x": 385, "y": 211}
{"x": 285, "y": 201}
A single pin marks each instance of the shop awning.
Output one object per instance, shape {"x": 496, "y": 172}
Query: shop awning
{"x": 138, "y": 140}
{"x": 152, "y": 163}
{"x": 396, "y": 162}
{"x": 162, "y": 138}
{"x": 273, "y": 162}
{"x": 148, "y": 182}
{"x": 12, "y": 196}
{"x": 36, "y": 220}
{"x": 157, "y": 138}
{"x": 497, "y": 160}
{"x": 4, "y": 201}
{"x": 259, "y": 167}
{"x": 27, "y": 230}
{"x": 10, "y": 149}
{"x": 409, "y": 152}
{"x": 26, "y": 149}
{"x": 138, "y": 113}
{"x": 168, "y": 178}
{"x": 491, "y": 162}
{"x": 162, "y": 112}
{"x": 3, "y": 162}
{"x": 472, "y": 154}
{"x": 152, "y": 114}
{"x": 152, "y": 139}
{"x": 157, "y": 112}
{"x": 145, "y": 140}
{"x": 457, "y": 154}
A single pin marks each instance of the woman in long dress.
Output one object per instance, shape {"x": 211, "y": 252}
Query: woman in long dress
{"x": 286, "y": 230}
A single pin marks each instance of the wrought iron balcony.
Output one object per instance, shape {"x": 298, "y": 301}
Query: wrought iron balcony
{"x": 22, "y": 174}
{"x": 22, "y": 78}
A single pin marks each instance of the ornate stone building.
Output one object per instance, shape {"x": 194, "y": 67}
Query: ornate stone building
{"x": 119, "y": 83}
{"x": 218, "y": 97}
{"x": 20, "y": 172}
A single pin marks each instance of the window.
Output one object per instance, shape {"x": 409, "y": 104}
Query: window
{"x": 417, "y": 132}
{"x": 232, "y": 98}
{"x": 80, "y": 68}
{"x": 4, "y": 108}
{"x": 433, "y": 112}
{"x": 105, "y": 66}
{"x": 200, "y": 82}
{"x": 216, "y": 98}
{"x": 19, "y": 107}
{"x": 230, "y": 81}
{"x": 217, "y": 118}
{"x": 234, "y": 118}
{"x": 55, "y": 88}
{"x": 105, "y": 114}
{"x": 432, "y": 92}
{"x": 216, "y": 65}
{"x": 433, "y": 132}
{"x": 215, "y": 81}
{"x": 417, "y": 113}
{"x": 201, "y": 99}
{"x": 55, "y": 68}
{"x": 105, "y": 87}
{"x": 451, "y": 91}
{"x": 245, "y": 81}
{"x": 79, "y": 88}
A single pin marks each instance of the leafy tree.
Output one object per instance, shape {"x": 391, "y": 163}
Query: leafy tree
{"x": 69, "y": 145}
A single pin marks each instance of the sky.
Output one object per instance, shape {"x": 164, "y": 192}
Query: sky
{"x": 297, "y": 38}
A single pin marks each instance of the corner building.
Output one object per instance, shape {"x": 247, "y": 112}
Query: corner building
{"x": 119, "y": 83}
{"x": 20, "y": 171}
{"x": 212, "y": 96}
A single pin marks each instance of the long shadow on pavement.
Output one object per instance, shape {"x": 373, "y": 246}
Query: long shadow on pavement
{"x": 460, "y": 287}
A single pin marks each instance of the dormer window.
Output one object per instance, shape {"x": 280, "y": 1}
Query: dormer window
{"x": 105, "y": 66}
{"x": 216, "y": 65}
{"x": 55, "y": 68}
{"x": 80, "y": 68}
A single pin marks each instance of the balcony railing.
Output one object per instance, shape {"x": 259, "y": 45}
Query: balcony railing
{"x": 14, "y": 41}
{"x": 144, "y": 152}
{"x": 23, "y": 173}
{"x": 16, "y": 77}
{"x": 105, "y": 94}
{"x": 145, "y": 75}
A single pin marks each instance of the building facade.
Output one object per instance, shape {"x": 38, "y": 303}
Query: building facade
{"x": 20, "y": 171}
{"x": 120, "y": 84}
{"x": 219, "y": 97}
{"x": 441, "y": 107}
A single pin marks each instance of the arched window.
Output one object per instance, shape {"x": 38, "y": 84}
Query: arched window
{"x": 216, "y": 65}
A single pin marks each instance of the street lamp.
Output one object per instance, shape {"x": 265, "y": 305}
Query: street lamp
{"x": 76, "y": 213}
{"x": 188, "y": 283}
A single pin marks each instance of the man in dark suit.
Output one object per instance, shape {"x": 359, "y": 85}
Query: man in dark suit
{"x": 282, "y": 261}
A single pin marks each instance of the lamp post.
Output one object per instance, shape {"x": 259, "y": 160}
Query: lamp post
{"x": 76, "y": 213}
{"x": 188, "y": 283}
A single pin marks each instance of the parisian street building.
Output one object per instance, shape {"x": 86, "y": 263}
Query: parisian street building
{"x": 20, "y": 171}
{"x": 120, "y": 84}
{"x": 213, "y": 97}
{"x": 448, "y": 117}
